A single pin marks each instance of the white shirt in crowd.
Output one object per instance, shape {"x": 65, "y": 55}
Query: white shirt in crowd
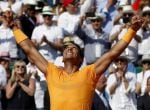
{"x": 132, "y": 49}
{"x": 39, "y": 91}
{"x": 144, "y": 47}
{"x": 140, "y": 79}
{"x": 52, "y": 33}
{"x": 86, "y": 7}
{"x": 8, "y": 42}
{"x": 68, "y": 22}
{"x": 144, "y": 83}
{"x": 122, "y": 99}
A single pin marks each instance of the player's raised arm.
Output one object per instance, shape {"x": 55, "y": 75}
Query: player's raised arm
{"x": 103, "y": 62}
{"x": 26, "y": 44}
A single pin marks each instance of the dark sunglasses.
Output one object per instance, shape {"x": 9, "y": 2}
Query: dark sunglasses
{"x": 146, "y": 62}
{"x": 96, "y": 20}
{"x": 146, "y": 14}
{"x": 20, "y": 66}
{"x": 48, "y": 16}
{"x": 128, "y": 14}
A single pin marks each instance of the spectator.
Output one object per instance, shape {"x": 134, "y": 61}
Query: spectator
{"x": 144, "y": 45}
{"x": 28, "y": 19}
{"x": 146, "y": 72}
{"x": 4, "y": 59}
{"x": 48, "y": 37}
{"x": 141, "y": 75}
{"x": 121, "y": 86}
{"x": 95, "y": 40}
{"x": 19, "y": 90}
{"x": 119, "y": 30}
{"x": 108, "y": 8}
{"x": 40, "y": 83}
{"x": 143, "y": 101}
{"x": 100, "y": 101}
{"x": 7, "y": 41}
{"x": 69, "y": 20}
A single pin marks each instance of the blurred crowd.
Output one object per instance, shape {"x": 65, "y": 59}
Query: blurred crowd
{"x": 95, "y": 25}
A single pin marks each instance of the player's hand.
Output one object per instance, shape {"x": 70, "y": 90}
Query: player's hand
{"x": 136, "y": 22}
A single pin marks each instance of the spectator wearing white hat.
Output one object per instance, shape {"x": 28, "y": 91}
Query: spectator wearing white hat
{"x": 145, "y": 61}
{"x": 142, "y": 77}
{"x": 7, "y": 42}
{"x": 95, "y": 40}
{"x": 48, "y": 37}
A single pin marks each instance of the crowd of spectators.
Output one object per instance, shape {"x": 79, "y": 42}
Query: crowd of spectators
{"x": 95, "y": 25}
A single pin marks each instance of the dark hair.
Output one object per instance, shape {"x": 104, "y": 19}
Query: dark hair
{"x": 81, "y": 50}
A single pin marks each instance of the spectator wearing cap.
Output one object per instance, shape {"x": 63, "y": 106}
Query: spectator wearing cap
{"x": 69, "y": 20}
{"x": 140, "y": 76}
{"x": 121, "y": 86}
{"x": 108, "y": 8}
{"x": 118, "y": 31}
{"x": 95, "y": 39}
{"x": 47, "y": 36}
{"x": 4, "y": 62}
{"x": 144, "y": 45}
{"x": 7, "y": 42}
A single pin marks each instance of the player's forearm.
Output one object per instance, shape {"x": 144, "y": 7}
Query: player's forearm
{"x": 123, "y": 43}
{"x": 30, "y": 50}
{"x": 114, "y": 52}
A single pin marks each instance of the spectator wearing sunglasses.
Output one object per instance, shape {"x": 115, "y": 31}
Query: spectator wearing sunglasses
{"x": 142, "y": 77}
{"x": 48, "y": 37}
{"x": 20, "y": 90}
{"x": 95, "y": 39}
